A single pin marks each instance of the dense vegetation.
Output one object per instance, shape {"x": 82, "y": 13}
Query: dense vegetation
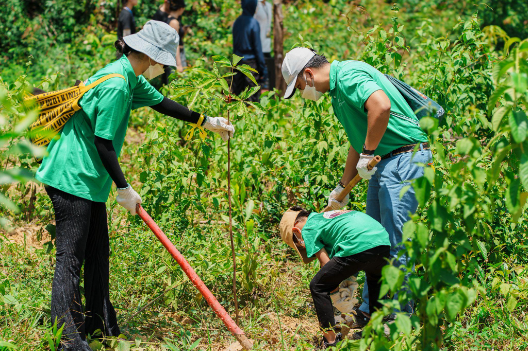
{"x": 468, "y": 238}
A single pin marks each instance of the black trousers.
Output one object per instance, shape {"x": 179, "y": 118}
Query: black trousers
{"x": 81, "y": 236}
{"x": 340, "y": 268}
{"x": 241, "y": 81}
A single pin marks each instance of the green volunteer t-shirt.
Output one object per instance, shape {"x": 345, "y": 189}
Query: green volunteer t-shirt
{"x": 351, "y": 84}
{"x": 342, "y": 233}
{"x": 73, "y": 164}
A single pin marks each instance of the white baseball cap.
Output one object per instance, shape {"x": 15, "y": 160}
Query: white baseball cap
{"x": 293, "y": 64}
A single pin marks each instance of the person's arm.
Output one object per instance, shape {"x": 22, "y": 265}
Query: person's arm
{"x": 127, "y": 24}
{"x": 179, "y": 65}
{"x": 378, "y": 107}
{"x": 323, "y": 257}
{"x": 108, "y": 156}
{"x": 171, "y": 108}
{"x": 350, "y": 166}
{"x": 174, "y": 23}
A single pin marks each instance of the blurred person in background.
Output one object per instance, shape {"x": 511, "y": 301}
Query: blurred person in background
{"x": 246, "y": 44}
{"x": 170, "y": 12}
{"x": 126, "y": 24}
{"x": 263, "y": 15}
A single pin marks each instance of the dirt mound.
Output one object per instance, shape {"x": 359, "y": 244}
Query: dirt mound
{"x": 30, "y": 235}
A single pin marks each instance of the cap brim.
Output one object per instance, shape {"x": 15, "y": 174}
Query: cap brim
{"x": 155, "y": 53}
{"x": 290, "y": 89}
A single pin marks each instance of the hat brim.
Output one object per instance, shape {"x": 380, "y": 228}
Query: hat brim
{"x": 302, "y": 253}
{"x": 155, "y": 53}
{"x": 290, "y": 89}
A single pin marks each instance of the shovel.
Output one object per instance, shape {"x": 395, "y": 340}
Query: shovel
{"x": 196, "y": 281}
{"x": 354, "y": 182}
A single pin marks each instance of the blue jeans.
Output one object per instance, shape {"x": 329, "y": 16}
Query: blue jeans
{"x": 384, "y": 203}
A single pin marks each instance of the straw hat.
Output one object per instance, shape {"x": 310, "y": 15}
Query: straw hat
{"x": 285, "y": 226}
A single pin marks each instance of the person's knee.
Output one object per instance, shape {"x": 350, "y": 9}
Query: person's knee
{"x": 314, "y": 286}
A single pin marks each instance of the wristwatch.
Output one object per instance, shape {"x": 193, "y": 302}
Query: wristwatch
{"x": 367, "y": 152}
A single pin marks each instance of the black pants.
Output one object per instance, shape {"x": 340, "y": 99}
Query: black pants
{"x": 337, "y": 270}
{"x": 241, "y": 81}
{"x": 270, "y": 64}
{"x": 81, "y": 236}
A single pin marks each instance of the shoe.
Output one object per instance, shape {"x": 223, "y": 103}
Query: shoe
{"x": 334, "y": 344}
{"x": 360, "y": 319}
{"x": 358, "y": 335}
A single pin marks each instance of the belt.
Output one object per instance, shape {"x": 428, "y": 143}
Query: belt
{"x": 404, "y": 149}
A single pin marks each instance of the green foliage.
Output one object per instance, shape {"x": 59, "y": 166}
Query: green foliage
{"x": 467, "y": 241}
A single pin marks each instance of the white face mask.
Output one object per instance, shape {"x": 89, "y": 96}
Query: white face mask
{"x": 310, "y": 92}
{"x": 153, "y": 71}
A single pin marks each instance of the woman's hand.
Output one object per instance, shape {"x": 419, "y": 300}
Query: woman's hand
{"x": 128, "y": 198}
{"x": 220, "y": 126}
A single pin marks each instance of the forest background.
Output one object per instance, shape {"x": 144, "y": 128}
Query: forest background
{"x": 468, "y": 239}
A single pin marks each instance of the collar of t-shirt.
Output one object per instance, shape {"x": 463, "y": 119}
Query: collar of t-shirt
{"x": 334, "y": 68}
{"x": 129, "y": 71}
{"x": 130, "y": 11}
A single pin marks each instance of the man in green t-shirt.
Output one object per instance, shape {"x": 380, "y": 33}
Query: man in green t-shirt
{"x": 377, "y": 121}
{"x": 345, "y": 242}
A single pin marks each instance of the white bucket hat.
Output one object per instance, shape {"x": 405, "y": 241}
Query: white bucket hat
{"x": 293, "y": 63}
{"x": 157, "y": 40}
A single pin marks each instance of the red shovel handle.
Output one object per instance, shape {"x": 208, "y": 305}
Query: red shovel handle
{"x": 197, "y": 282}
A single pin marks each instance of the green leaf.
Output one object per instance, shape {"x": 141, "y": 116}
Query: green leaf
{"x": 244, "y": 69}
{"x": 511, "y": 303}
{"x": 513, "y": 196}
{"x": 393, "y": 276}
{"x": 522, "y": 202}
{"x": 236, "y": 59}
{"x": 403, "y": 322}
{"x": 224, "y": 85}
{"x": 505, "y": 289}
{"x": 483, "y": 251}
{"x": 519, "y": 125}
{"x": 523, "y": 169}
{"x": 249, "y": 209}
{"x": 498, "y": 115}
{"x": 222, "y": 60}
{"x": 454, "y": 305}
{"x": 195, "y": 344}
{"x": 8, "y": 299}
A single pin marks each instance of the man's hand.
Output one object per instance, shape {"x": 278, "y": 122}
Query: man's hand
{"x": 362, "y": 166}
{"x": 332, "y": 199}
{"x": 220, "y": 126}
{"x": 128, "y": 198}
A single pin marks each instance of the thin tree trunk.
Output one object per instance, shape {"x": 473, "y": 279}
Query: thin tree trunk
{"x": 278, "y": 45}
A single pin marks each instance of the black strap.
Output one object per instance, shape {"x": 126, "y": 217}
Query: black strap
{"x": 404, "y": 149}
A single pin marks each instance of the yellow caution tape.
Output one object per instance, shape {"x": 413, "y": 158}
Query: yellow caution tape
{"x": 197, "y": 125}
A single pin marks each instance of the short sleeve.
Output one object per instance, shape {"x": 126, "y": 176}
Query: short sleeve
{"x": 358, "y": 86}
{"x": 312, "y": 241}
{"x": 109, "y": 112}
{"x": 145, "y": 94}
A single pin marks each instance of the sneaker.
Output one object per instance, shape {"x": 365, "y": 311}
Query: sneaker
{"x": 334, "y": 344}
{"x": 357, "y": 335}
{"x": 360, "y": 319}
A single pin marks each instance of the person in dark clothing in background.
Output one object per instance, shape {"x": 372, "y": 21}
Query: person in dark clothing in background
{"x": 246, "y": 43}
{"x": 126, "y": 23}
{"x": 167, "y": 13}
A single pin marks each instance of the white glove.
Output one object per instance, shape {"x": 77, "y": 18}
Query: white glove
{"x": 362, "y": 166}
{"x": 128, "y": 198}
{"x": 332, "y": 201}
{"x": 343, "y": 300}
{"x": 220, "y": 126}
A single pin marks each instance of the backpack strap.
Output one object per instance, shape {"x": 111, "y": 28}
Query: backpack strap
{"x": 102, "y": 79}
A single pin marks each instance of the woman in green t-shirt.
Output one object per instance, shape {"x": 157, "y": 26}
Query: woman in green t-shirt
{"x": 345, "y": 242}
{"x": 81, "y": 166}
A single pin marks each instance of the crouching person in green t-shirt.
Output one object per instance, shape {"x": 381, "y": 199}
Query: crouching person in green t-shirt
{"x": 345, "y": 242}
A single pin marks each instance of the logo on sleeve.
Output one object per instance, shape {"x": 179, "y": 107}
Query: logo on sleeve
{"x": 334, "y": 213}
